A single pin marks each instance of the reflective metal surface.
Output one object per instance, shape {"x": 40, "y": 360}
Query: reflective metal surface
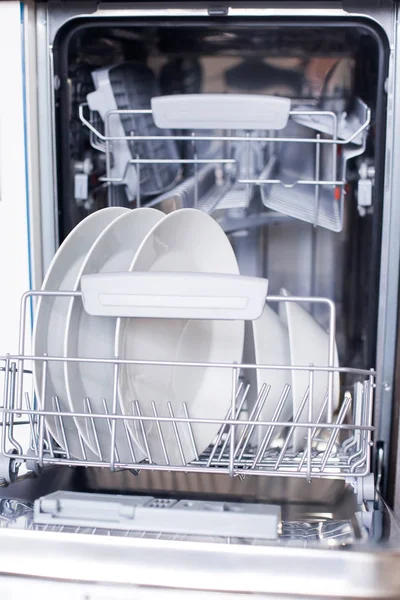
{"x": 351, "y": 551}
{"x": 362, "y": 570}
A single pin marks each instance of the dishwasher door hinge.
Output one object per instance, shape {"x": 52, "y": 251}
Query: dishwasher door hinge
{"x": 364, "y": 488}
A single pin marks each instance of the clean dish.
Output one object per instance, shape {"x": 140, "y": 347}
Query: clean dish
{"x": 267, "y": 343}
{"x": 93, "y": 337}
{"x": 50, "y": 322}
{"x": 309, "y": 345}
{"x": 187, "y": 240}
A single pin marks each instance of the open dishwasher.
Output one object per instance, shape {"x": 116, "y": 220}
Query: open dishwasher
{"x": 275, "y": 125}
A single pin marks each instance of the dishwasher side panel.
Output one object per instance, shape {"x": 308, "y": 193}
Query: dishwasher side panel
{"x": 14, "y": 174}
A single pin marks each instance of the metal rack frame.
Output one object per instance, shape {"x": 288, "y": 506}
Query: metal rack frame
{"x": 317, "y": 188}
{"x": 337, "y": 445}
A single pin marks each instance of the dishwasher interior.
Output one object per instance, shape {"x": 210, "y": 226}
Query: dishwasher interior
{"x": 305, "y": 237}
{"x": 300, "y": 197}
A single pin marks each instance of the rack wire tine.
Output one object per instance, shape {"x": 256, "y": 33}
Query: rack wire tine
{"x": 242, "y": 397}
{"x": 127, "y": 433}
{"x": 130, "y": 444}
{"x": 270, "y": 429}
{"x": 360, "y": 420}
{"x": 49, "y": 440}
{"x": 369, "y": 394}
{"x": 56, "y": 405}
{"x": 10, "y": 428}
{"x": 361, "y": 462}
{"x": 310, "y": 416}
{"x": 13, "y": 368}
{"x": 5, "y": 404}
{"x": 218, "y": 439}
{"x": 314, "y": 431}
{"x": 82, "y": 445}
{"x": 88, "y": 407}
{"x": 190, "y": 430}
{"x": 114, "y": 412}
{"x": 31, "y": 423}
{"x": 317, "y": 177}
{"x": 227, "y": 431}
{"x": 176, "y": 433}
{"x": 358, "y": 395}
{"x": 136, "y": 407}
{"x": 292, "y": 428}
{"x": 366, "y": 409}
{"x": 354, "y": 456}
{"x": 41, "y": 415}
{"x": 109, "y": 427}
{"x": 196, "y": 170}
{"x": 224, "y": 427}
{"x": 160, "y": 434}
{"x": 138, "y": 200}
{"x": 246, "y": 441}
{"x": 335, "y": 432}
{"x": 19, "y": 394}
{"x": 254, "y": 415}
{"x": 233, "y": 426}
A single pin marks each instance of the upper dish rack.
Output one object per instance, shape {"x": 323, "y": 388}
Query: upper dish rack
{"x": 296, "y": 156}
{"x": 337, "y": 443}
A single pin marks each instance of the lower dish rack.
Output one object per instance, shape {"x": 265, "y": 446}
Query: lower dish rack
{"x": 336, "y": 443}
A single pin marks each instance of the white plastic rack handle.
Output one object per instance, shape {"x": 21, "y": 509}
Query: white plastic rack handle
{"x": 220, "y": 111}
{"x": 174, "y": 295}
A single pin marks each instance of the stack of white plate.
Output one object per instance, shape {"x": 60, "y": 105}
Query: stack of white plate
{"x": 144, "y": 239}
{"x": 291, "y": 338}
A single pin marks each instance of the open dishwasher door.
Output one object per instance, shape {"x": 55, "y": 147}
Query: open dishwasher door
{"x": 75, "y": 558}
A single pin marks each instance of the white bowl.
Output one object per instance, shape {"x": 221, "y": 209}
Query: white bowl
{"x": 186, "y": 240}
{"x": 50, "y": 322}
{"x": 309, "y": 345}
{"x": 93, "y": 337}
{"x": 267, "y": 343}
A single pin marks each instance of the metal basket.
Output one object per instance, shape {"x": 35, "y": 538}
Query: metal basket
{"x": 337, "y": 443}
{"x": 297, "y": 157}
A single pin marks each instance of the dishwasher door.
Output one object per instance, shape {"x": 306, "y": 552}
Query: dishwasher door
{"x": 296, "y": 564}
{"x": 153, "y": 567}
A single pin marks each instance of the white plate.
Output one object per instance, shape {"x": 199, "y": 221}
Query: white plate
{"x": 309, "y": 345}
{"x": 187, "y": 240}
{"x": 267, "y": 343}
{"x": 93, "y": 337}
{"x": 50, "y": 320}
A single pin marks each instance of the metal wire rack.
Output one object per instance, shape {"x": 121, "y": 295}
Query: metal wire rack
{"x": 321, "y": 531}
{"x": 337, "y": 443}
{"x": 300, "y": 170}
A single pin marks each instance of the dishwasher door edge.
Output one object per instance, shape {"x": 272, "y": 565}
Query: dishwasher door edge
{"x": 200, "y": 566}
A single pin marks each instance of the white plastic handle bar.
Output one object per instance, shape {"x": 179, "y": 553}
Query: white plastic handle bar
{"x": 220, "y": 111}
{"x": 174, "y": 295}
